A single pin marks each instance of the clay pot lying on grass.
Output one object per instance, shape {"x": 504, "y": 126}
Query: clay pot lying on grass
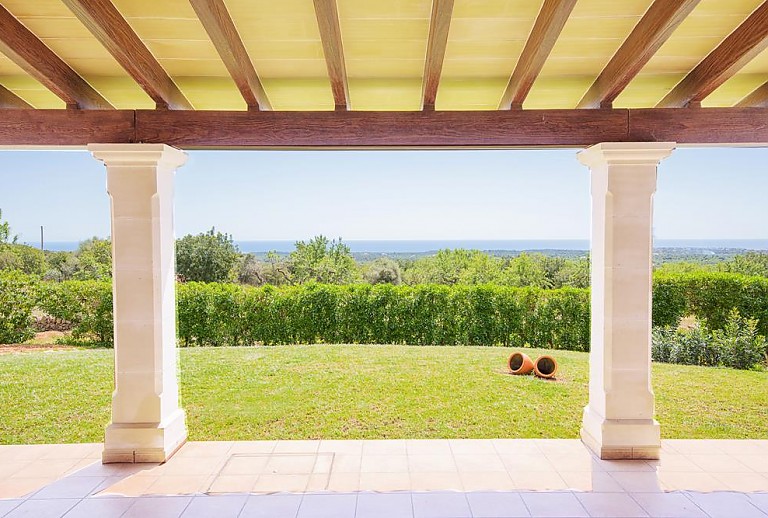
{"x": 545, "y": 367}
{"x": 520, "y": 363}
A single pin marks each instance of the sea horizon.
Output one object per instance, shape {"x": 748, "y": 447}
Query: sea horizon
{"x": 433, "y": 245}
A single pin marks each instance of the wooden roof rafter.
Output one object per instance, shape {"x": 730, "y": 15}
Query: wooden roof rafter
{"x": 216, "y": 20}
{"x": 9, "y": 99}
{"x": 30, "y": 53}
{"x": 549, "y": 23}
{"x": 439, "y": 25}
{"x": 654, "y": 28}
{"x": 757, "y": 99}
{"x": 736, "y": 50}
{"x": 108, "y": 26}
{"x": 327, "y": 15}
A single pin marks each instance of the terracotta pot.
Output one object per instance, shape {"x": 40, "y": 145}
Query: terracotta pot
{"x": 520, "y": 363}
{"x": 545, "y": 367}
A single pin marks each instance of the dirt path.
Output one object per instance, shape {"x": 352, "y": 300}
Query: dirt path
{"x": 45, "y": 341}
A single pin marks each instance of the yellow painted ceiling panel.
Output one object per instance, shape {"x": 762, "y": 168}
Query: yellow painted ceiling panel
{"x": 299, "y": 94}
{"x": 157, "y": 28}
{"x": 182, "y": 49}
{"x": 646, "y": 90}
{"x": 96, "y": 67}
{"x": 557, "y": 92}
{"x": 122, "y": 92}
{"x": 525, "y": 9}
{"x": 491, "y": 29}
{"x": 375, "y": 49}
{"x": 759, "y": 65}
{"x": 385, "y": 68}
{"x": 44, "y": 8}
{"x": 474, "y": 94}
{"x": 194, "y": 67}
{"x": 478, "y": 68}
{"x": 384, "y": 9}
{"x": 385, "y": 30}
{"x": 299, "y": 49}
{"x": 735, "y": 89}
{"x": 31, "y": 91}
{"x": 382, "y": 94}
{"x": 9, "y": 68}
{"x": 211, "y": 93}
{"x": 168, "y": 9}
{"x": 291, "y": 68}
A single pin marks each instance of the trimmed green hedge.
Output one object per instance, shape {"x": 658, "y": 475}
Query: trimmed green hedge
{"x": 228, "y": 314}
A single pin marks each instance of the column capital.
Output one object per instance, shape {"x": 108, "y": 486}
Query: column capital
{"x": 138, "y": 155}
{"x": 625, "y": 153}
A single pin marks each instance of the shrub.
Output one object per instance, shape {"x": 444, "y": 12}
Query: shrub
{"x": 18, "y": 293}
{"x": 739, "y": 344}
{"x": 207, "y": 257}
{"x": 86, "y": 305}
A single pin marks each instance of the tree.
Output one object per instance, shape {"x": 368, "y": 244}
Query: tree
{"x": 207, "y": 257}
{"x": 94, "y": 260}
{"x": 5, "y": 232}
{"x": 321, "y": 260}
{"x": 382, "y": 271}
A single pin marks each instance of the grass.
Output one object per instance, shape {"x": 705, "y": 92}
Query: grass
{"x": 350, "y": 392}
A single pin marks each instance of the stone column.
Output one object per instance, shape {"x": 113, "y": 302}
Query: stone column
{"x": 147, "y": 423}
{"x": 618, "y": 421}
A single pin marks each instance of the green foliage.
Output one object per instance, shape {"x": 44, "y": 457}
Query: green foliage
{"x": 87, "y": 305}
{"x": 18, "y": 293}
{"x": 215, "y": 314}
{"x": 23, "y": 258}
{"x": 6, "y": 237}
{"x": 750, "y": 263}
{"x": 321, "y": 260}
{"x": 94, "y": 260}
{"x": 207, "y": 257}
{"x": 382, "y": 271}
{"x": 740, "y": 345}
{"x": 62, "y": 266}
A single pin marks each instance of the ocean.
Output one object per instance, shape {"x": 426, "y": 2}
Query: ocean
{"x": 422, "y": 246}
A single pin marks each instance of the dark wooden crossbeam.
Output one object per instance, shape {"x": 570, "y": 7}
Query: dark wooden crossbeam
{"x": 9, "y": 99}
{"x": 439, "y": 24}
{"x": 367, "y": 130}
{"x": 549, "y": 23}
{"x": 757, "y": 99}
{"x": 650, "y": 33}
{"x": 744, "y": 43}
{"x": 214, "y": 16}
{"x": 112, "y": 30}
{"x": 330, "y": 34}
{"x": 27, "y": 51}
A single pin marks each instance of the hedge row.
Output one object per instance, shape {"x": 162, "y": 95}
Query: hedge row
{"x": 227, "y": 314}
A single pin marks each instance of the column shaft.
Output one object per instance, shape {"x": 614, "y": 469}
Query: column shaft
{"x": 619, "y": 419}
{"x": 147, "y": 423}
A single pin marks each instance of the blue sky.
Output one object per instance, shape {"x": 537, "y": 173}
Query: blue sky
{"x": 703, "y": 193}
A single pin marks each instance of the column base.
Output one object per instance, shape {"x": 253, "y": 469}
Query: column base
{"x": 614, "y": 439}
{"x": 144, "y": 442}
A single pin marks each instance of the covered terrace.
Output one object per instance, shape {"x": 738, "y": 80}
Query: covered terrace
{"x": 138, "y": 82}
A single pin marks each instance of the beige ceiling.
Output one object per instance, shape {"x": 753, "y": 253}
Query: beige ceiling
{"x": 384, "y": 44}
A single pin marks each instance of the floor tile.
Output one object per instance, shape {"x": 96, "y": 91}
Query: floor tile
{"x": 538, "y": 481}
{"x": 384, "y": 464}
{"x": 233, "y": 484}
{"x": 472, "y": 447}
{"x": 244, "y": 464}
{"x": 529, "y": 462}
{"x": 131, "y": 486}
{"x": 204, "y": 449}
{"x": 516, "y": 447}
{"x": 624, "y": 465}
{"x": 428, "y": 447}
{"x": 73, "y": 487}
{"x": 344, "y": 463}
{"x": 554, "y": 505}
{"x": 344, "y": 482}
{"x": 760, "y": 500}
{"x": 281, "y": 483}
{"x": 341, "y": 447}
{"x": 611, "y": 505}
{"x": 431, "y": 463}
{"x": 638, "y": 481}
{"x": 179, "y": 485}
{"x": 469, "y": 462}
{"x": 271, "y": 506}
{"x": 437, "y": 482}
{"x": 158, "y": 506}
{"x": 6, "y": 506}
{"x": 675, "y": 463}
{"x": 668, "y": 505}
{"x": 758, "y": 463}
{"x": 10, "y": 467}
{"x": 385, "y": 482}
{"x": 21, "y": 487}
{"x": 296, "y": 447}
{"x": 597, "y": 481}
{"x": 726, "y": 505}
{"x": 385, "y": 447}
{"x": 49, "y": 468}
{"x": 743, "y": 482}
{"x": 384, "y": 505}
{"x": 719, "y": 464}
{"x": 252, "y": 447}
{"x": 487, "y": 481}
{"x": 290, "y": 464}
{"x": 497, "y": 505}
{"x": 43, "y": 508}
{"x": 101, "y": 507}
{"x": 192, "y": 466}
{"x": 328, "y": 506}
{"x": 218, "y": 506}
{"x": 440, "y": 505}
{"x": 690, "y": 482}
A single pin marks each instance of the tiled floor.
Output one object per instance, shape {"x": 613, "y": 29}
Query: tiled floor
{"x": 399, "y": 478}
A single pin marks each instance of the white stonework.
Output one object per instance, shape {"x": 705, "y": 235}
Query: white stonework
{"x": 618, "y": 421}
{"x": 147, "y": 423}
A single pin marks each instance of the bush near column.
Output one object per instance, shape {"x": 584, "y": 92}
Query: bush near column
{"x": 87, "y": 305}
{"x": 18, "y": 294}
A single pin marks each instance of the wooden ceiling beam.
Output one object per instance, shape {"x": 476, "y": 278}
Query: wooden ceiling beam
{"x": 330, "y": 33}
{"x": 439, "y": 24}
{"x": 388, "y": 130}
{"x": 30, "y": 53}
{"x": 9, "y": 99}
{"x": 654, "y": 28}
{"x": 216, "y": 20}
{"x": 108, "y": 26}
{"x": 757, "y": 99}
{"x": 744, "y": 43}
{"x": 549, "y": 23}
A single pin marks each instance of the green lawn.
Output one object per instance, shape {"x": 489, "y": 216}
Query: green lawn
{"x": 351, "y": 392}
